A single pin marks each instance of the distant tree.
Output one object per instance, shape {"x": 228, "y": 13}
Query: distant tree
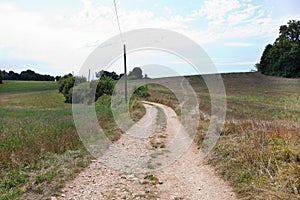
{"x": 27, "y": 75}
{"x": 283, "y": 57}
{"x": 11, "y": 76}
{"x": 112, "y": 75}
{"x": 57, "y": 78}
{"x": 121, "y": 75}
{"x": 136, "y": 73}
{"x": 1, "y": 77}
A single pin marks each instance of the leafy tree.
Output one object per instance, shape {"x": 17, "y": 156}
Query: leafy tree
{"x": 112, "y": 75}
{"x": 57, "y": 78}
{"x": 105, "y": 86}
{"x": 11, "y": 76}
{"x": 63, "y": 81}
{"x": 290, "y": 32}
{"x": 27, "y": 75}
{"x": 265, "y": 59}
{"x": 1, "y": 77}
{"x": 66, "y": 83}
{"x": 283, "y": 57}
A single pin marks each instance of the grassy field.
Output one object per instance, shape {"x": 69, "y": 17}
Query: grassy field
{"x": 259, "y": 149}
{"x": 27, "y": 86}
{"x": 37, "y": 136}
{"x": 39, "y": 146}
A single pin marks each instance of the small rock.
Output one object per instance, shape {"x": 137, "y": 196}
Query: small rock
{"x": 63, "y": 195}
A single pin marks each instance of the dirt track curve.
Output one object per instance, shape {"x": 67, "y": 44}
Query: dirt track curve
{"x": 127, "y": 169}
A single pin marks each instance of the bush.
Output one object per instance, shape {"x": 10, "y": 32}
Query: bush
{"x": 81, "y": 93}
{"x": 105, "y": 86}
{"x": 66, "y": 83}
{"x": 142, "y": 91}
{"x": 78, "y": 90}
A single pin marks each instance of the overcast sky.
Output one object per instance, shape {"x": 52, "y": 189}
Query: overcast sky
{"x": 55, "y": 37}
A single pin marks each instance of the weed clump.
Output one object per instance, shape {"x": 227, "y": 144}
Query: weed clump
{"x": 261, "y": 159}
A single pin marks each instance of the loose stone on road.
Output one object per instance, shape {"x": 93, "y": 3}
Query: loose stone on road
{"x": 133, "y": 168}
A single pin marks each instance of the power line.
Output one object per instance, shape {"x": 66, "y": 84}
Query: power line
{"x": 116, "y": 10}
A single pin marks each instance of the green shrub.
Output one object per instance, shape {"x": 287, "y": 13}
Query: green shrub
{"x": 105, "y": 86}
{"x": 81, "y": 93}
{"x": 142, "y": 91}
{"x": 66, "y": 83}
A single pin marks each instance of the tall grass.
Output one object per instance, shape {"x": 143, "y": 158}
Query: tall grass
{"x": 34, "y": 127}
{"x": 39, "y": 146}
{"x": 259, "y": 149}
{"x": 261, "y": 159}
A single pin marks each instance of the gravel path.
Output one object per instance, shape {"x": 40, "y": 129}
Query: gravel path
{"x": 149, "y": 162}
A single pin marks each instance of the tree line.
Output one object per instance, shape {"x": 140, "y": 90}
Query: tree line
{"x": 282, "y": 58}
{"x": 1, "y": 77}
{"x": 89, "y": 92}
{"x": 27, "y": 75}
{"x": 136, "y": 73}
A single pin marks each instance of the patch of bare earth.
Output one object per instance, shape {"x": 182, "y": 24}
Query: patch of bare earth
{"x": 114, "y": 177}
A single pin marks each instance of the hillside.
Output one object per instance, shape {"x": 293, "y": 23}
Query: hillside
{"x": 257, "y": 152}
{"x": 258, "y": 149}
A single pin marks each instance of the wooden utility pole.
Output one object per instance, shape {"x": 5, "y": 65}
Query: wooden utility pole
{"x": 125, "y": 74}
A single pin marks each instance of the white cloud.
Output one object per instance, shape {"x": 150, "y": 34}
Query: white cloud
{"x": 64, "y": 42}
{"x": 233, "y": 19}
{"x": 217, "y": 9}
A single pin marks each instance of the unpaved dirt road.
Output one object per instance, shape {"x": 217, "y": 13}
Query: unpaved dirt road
{"x": 140, "y": 166}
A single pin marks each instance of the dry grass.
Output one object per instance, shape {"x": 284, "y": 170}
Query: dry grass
{"x": 259, "y": 149}
{"x": 163, "y": 95}
{"x": 37, "y": 132}
{"x": 261, "y": 159}
{"x": 39, "y": 145}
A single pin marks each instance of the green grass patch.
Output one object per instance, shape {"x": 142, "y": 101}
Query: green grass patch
{"x": 27, "y": 86}
{"x": 39, "y": 145}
